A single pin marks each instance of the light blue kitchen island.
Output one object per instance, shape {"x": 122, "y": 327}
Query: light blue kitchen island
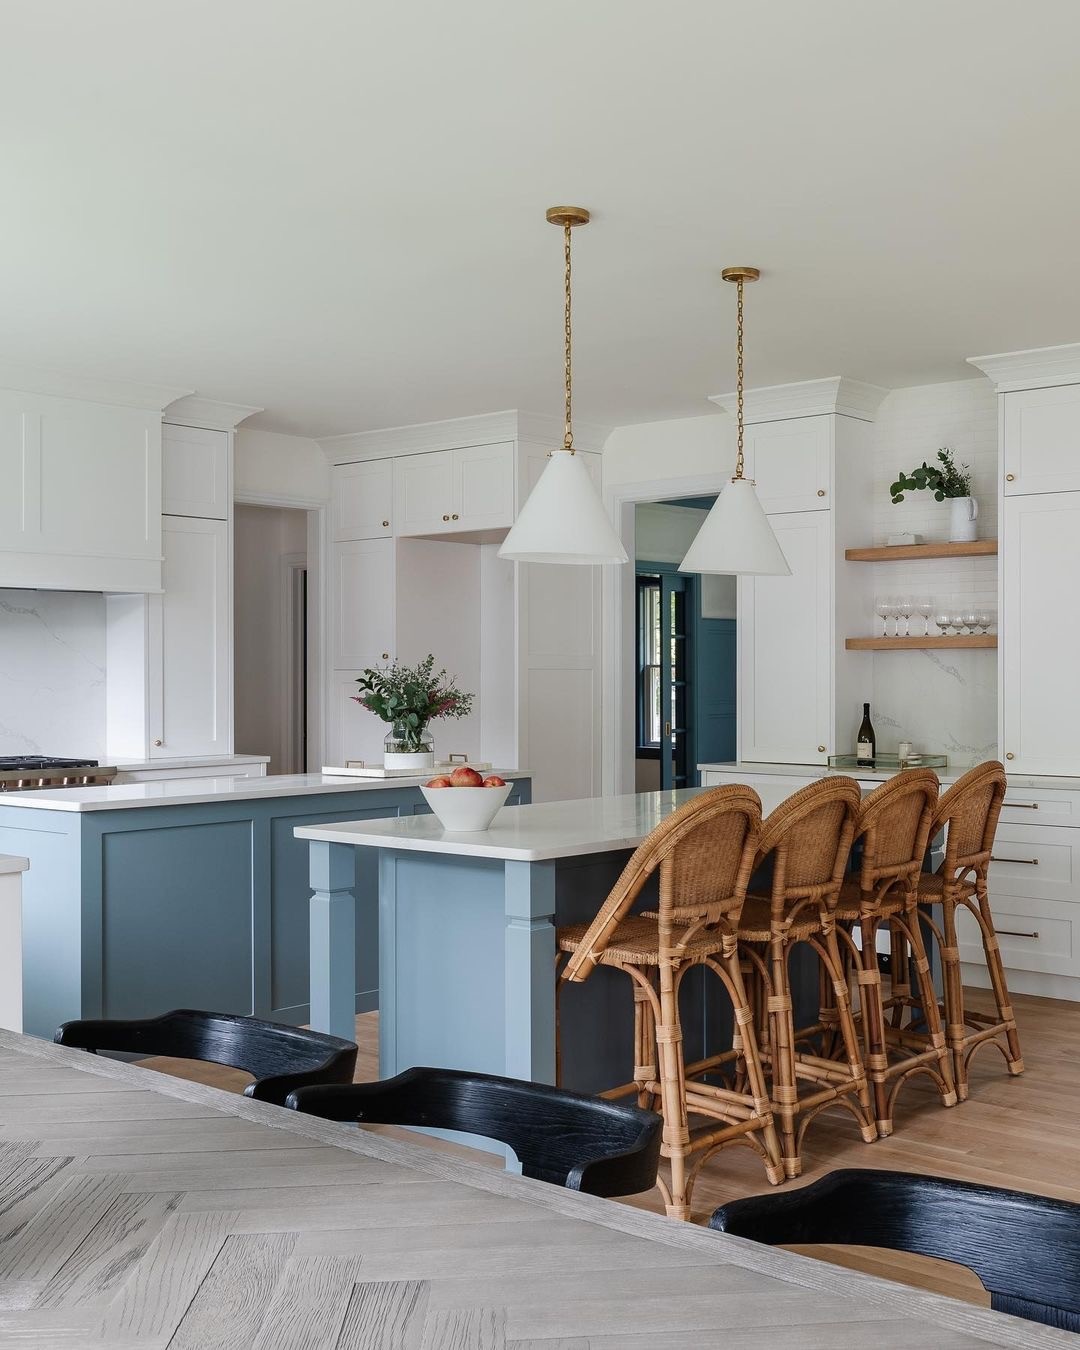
{"x": 192, "y": 892}
{"x": 466, "y": 938}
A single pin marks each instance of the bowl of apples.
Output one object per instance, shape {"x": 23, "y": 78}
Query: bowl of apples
{"x": 466, "y": 800}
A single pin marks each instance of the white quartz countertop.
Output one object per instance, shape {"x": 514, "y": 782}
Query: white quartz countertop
{"x": 525, "y": 833}
{"x": 9, "y": 863}
{"x": 188, "y": 762}
{"x": 813, "y": 771}
{"x": 189, "y": 791}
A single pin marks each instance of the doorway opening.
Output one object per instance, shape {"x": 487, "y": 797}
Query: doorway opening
{"x": 271, "y": 622}
{"x": 685, "y": 648}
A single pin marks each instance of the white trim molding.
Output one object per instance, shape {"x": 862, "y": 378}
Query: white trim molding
{"x": 53, "y": 383}
{"x": 1038, "y": 368}
{"x": 807, "y": 398}
{"x": 209, "y": 413}
{"x": 455, "y": 433}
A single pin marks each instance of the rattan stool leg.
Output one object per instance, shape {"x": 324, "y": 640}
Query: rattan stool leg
{"x": 876, "y": 1057}
{"x": 996, "y": 970}
{"x": 751, "y": 1068}
{"x": 848, "y": 1035}
{"x": 645, "y": 1070}
{"x": 785, "y": 1092}
{"x": 955, "y": 1024}
{"x": 676, "y": 1135}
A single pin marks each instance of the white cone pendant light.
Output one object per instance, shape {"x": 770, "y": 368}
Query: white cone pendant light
{"x": 563, "y": 519}
{"x": 736, "y": 538}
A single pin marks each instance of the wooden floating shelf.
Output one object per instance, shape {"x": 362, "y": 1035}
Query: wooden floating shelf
{"x": 977, "y": 548}
{"x": 915, "y": 644}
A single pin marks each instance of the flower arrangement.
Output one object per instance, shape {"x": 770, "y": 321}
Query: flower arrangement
{"x": 409, "y": 697}
{"x": 948, "y": 481}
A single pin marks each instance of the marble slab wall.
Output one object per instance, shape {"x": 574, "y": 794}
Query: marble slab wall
{"x": 52, "y": 673}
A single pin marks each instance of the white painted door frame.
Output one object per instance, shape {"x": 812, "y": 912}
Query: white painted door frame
{"x": 618, "y": 665}
{"x": 318, "y": 547}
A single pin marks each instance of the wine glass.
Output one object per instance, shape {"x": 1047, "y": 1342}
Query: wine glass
{"x": 983, "y": 620}
{"x": 943, "y": 618}
{"x": 971, "y": 619}
{"x": 884, "y": 610}
{"x": 905, "y": 607}
{"x": 925, "y": 608}
{"x": 956, "y": 622}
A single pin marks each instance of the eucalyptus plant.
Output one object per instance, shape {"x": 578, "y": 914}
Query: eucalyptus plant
{"x": 409, "y": 697}
{"x": 948, "y": 481}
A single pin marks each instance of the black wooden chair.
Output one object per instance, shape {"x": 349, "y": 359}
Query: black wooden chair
{"x": 1024, "y": 1248}
{"x": 583, "y": 1143}
{"x": 280, "y": 1057}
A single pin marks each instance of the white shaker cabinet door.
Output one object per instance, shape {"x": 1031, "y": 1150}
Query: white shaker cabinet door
{"x": 791, "y": 463}
{"x": 190, "y": 640}
{"x": 352, "y": 733}
{"x": 1041, "y": 440}
{"x": 194, "y": 472}
{"x": 1040, "y": 642}
{"x": 785, "y": 643}
{"x": 363, "y": 499}
{"x": 362, "y": 630}
{"x": 424, "y": 493}
{"x": 483, "y": 487}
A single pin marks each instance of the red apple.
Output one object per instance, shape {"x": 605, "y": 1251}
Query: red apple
{"x": 493, "y": 780}
{"x": 441, "y": 781}
{"x": 465, "y": 777}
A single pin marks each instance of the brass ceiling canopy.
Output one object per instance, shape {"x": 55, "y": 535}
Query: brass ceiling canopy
{"x": 567, "y": 216}
{"x": 741, "y": 273}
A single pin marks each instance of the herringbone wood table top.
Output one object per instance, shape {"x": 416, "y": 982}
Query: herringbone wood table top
{"x": 139, "y": 1211}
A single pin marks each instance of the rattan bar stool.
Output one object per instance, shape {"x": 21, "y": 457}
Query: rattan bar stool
{"x": 894, "y": 825}
{"x": 704, "y": 853}
{"x": 969, "y": 812}
{"x": 808, "y": 838}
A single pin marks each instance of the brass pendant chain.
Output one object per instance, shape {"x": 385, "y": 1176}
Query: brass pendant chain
{"x": 568, "y": 436}
{"x": 739, "y": 382}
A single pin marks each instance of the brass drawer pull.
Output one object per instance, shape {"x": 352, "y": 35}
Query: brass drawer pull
{"x": 1022, "y": 806}
{"x": 1028, "y": 862}
{"x": 1012, "y": 932}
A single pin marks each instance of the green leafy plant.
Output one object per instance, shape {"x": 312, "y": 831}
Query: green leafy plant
{"x": 409, "y": 697}
{"x": 950, "y": 480}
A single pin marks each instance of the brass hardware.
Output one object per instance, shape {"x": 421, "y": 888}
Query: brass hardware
{"x": 1009, "y": 755}
{"x": 1021, "y": 806}
{"x": 821, "y": 749}
{"x": 1013, "y": 932}
{"x": 567, "y": 217}
{"x": 740, "y": 275}
{"x": 386, "y": 524}
{"x": 446, "y": 517}
{"x": 157, "y": 742}
{"x": 1010, "y": 478}
{"x": 667, "y": 728}
{"x": 821, "y": 492}
{"x": 454, "y": 516}
{"x": 1028, "y": 862}
{"x": 386, "y": 656}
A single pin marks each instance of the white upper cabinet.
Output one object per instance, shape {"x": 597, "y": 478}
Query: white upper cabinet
{"x": 195, "y": 472}
{"x": 790, "y": 461}
{"x": 1040, "y": 644}
{"x": 786, "y": 702}
{"x": 1041, "y": 440}
{"x": 453, "y": 491}
{"x": 363, "y": 499}
{"x": 81, "y": 506}
{"x": 190, "y": 642}
{"x": 362, "y": 589}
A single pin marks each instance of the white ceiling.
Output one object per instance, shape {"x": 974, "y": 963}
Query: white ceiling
{"x": 335, "y": 209}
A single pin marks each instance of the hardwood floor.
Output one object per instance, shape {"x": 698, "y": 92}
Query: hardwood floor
{"x": 1018, "y": 1132}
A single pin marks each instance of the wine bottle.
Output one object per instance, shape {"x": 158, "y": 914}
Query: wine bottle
{"x": 866, "y": 743}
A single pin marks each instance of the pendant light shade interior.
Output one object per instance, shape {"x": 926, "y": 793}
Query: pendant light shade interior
{"x": 563, "y": 519}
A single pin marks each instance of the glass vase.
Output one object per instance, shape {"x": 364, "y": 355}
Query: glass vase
{"x": 408, "y": 747}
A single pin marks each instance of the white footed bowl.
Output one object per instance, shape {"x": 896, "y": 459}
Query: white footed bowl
{"x": 466, "y": 808}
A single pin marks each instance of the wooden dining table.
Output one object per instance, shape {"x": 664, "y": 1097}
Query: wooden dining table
{"x": 139, "y": 1210}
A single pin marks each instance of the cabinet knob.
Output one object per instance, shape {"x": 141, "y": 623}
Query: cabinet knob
{"x": 454, "y": 516}
{"x": 821, "y": 749}
{"x": 821, "y": 492}
{"x": 446, "y": 517}
{"x": 386, "y": 524}
{"x": 1009, "y": 754}
{"x": 1010, "y": 478}
{"x": 386, "y": 656}
{"x": 158, "y": 742}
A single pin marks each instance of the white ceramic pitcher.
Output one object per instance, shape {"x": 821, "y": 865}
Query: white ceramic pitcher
{"x": 963, "y": 513}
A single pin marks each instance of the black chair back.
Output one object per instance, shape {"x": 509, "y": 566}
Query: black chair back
{"x": 279, "y": 1057}
{"x": 583, "y": 1143}
{"x": 1024, "y": 1248}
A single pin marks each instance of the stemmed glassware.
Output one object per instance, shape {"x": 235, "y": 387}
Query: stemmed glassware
{"x": 925, "y": 608}
{"x": 885, "y": 610}
{"x": 905, "y": 607}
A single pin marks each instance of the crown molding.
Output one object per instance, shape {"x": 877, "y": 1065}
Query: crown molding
{"x": 807, "y": 398}
{"x": 193, "y": 411}
{"x": 54, "y": 383}
{"x": 456, "y": 432}
{"x": 1034, "y": 369}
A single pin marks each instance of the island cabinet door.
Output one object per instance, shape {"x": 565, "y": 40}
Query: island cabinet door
{"x": 785, "y": 637}
{"x": 1040, "y": 644}
{"x": 190, "y": 642}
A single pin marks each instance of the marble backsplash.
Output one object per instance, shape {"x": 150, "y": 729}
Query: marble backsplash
{"x": 941, "y": 701}
{"x": 52, "y": 673}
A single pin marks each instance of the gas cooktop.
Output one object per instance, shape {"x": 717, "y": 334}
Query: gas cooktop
{"x": 10, "y": 762}
{"x": 20, "y": 773}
